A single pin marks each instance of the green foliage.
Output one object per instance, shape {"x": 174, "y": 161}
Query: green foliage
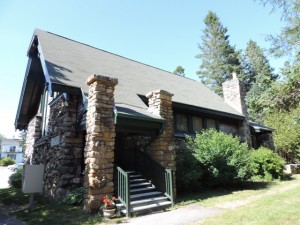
{"x": 6, "y": 161}
{"x": 188, "y": 170}
{"x": 15, "y": 179}
{"x": 222, "y": 158}
{"x": 266, "y": 164}
{"x": 259, "y": 77}
{"x": 23, "y": 135}
{"x": 179, "y": 71}
{"x": 219, "y": 58}
{"x": 287, "y": 133}
{"x": 287, "y": 42}
{"x": 75, "y": 197}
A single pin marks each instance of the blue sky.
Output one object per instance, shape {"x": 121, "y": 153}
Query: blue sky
{"x": 163, "y": 34}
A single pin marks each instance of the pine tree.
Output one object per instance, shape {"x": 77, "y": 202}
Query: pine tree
{"x": 287, "y": 42}
{"x": 179, "y": 71}
{"x": 259, "y": 78}
{"x": 219, "y": 58}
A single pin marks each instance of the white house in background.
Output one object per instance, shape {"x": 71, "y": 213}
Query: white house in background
{"x": 11, "y": 148}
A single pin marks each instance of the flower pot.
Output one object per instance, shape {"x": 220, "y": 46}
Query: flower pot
{"x": 109, "y": 212}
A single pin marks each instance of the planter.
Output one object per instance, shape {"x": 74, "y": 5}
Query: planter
{"x": 109, "y": 212}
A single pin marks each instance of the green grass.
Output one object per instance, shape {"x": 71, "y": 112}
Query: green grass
{"x": 279, "y": 208}
{"x": 212, "y": 197}
{"x": 44, "y": 212}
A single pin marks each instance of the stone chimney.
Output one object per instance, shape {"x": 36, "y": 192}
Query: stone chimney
{"x": 234, "y": 92}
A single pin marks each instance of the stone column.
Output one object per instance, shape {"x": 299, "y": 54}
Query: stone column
{"x": 100, "y": 140}
{"x": 162, "y": 149}
{"x": 234, "y": 92}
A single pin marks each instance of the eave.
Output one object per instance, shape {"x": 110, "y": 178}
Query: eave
{"x": 195, "y": 109}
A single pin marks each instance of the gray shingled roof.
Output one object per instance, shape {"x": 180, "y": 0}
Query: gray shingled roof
{"x": 70, "y": 63}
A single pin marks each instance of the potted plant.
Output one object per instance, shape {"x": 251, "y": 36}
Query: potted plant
{"x": 108, "y": 205}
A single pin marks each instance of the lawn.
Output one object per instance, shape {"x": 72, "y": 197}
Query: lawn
{"x": 45, "y": 213}
{"x": 279, "y": 207}
{"x": 213, "y": 197}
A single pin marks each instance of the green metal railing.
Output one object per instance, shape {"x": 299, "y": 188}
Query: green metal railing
{"x": 169, "y": 185}
{"x": 159, "y": 176}
{"x": 124, "y": 189}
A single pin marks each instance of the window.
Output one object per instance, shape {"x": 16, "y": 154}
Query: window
{"x": 12, "y": 156}
{"x": 181, "y": 122}
{"x": 12, "y": 148}
{"x": 185, "y": 123}
{"x": 211, "y": 124}
{"x": 197, "y": 124}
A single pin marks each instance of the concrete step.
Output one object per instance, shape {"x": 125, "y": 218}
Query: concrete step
{"x": 151, "y": 206}
{"x": 145, "y": 195}
{"x": 144, "y": 189}
{"x": 135, "y": 176}
{"x": 139, "y": 180}
{"x": 149, "y": 200}
{"x": 140, "y": 185}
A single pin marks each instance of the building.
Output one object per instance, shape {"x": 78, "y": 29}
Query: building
{"x": 11, "y": 148}
{"x": 92, "y": 115}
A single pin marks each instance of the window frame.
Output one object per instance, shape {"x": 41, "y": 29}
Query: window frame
{"x": 190, "y": 131}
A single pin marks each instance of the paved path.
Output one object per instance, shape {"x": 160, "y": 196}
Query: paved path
{"x": 180, "y": 216}
{"x": 5, "y": 219}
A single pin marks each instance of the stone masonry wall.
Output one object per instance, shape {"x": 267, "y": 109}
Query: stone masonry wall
{"x": 234, "y": 92}
{"x": 61, "y": 150}
{"x": 33, "y": 134}
{"x": 100, "y": 141}
{"x": 163, "y": 148}
{"x": 63, "y": 158}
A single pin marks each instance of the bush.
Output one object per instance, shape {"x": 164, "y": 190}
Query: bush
{"x": 15, "y": 180}
{"x": 6, "y": 161}
{"x": 266, "y": 165}
{"x": 75, "y": 197}
{"x": 188, "y": 170}
{"x": 222, "y": 158}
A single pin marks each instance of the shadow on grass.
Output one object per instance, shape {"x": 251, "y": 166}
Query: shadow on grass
{"x": 205, "y": 193}
{"x": 44, "y": 212}
{"x": 55, "y": 213}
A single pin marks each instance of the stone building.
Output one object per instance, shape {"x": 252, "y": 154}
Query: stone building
{"x": 93, "y": 117}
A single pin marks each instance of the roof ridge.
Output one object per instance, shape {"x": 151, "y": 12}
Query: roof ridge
{"x": 117, "y": 55}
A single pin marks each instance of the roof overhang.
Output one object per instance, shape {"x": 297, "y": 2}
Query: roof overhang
{"x": 32, "y": 89}
{"x": 190, "y": 108}
{"x": 259, "y": 128}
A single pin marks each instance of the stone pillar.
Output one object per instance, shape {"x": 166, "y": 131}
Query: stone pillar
{"x": 234, "y": 92}
{"x": 162, "y": 149}
{"x": 100, "y": 140}
{"x": 33, "y": 134}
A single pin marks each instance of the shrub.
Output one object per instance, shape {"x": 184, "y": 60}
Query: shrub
{"x": 75, "y": 197}
{"x": 266, "y": 164}
{"x": 6, "y": 161}
{"x": 188, "y": 170}
{"x": 15, "y": 179}
{"x": 222, "y": 158}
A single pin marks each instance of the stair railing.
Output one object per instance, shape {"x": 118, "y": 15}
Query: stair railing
{"x": 161, "y": 177}
{"x": 124, "y": 189}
